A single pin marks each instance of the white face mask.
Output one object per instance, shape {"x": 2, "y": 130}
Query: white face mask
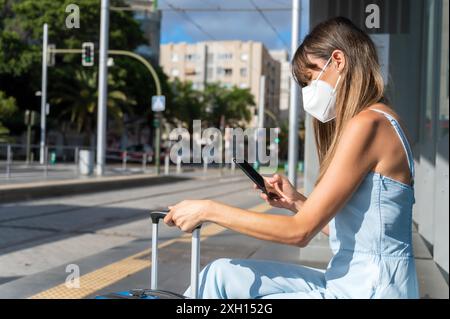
{"x": 319, "y": 98}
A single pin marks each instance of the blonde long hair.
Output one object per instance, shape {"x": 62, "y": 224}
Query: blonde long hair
{"x": 361, "y": 83}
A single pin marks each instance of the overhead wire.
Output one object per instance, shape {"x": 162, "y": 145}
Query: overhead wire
{"x": 270, "y": 25}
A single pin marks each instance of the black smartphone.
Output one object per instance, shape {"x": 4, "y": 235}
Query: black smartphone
{"x": 255, "y": 177}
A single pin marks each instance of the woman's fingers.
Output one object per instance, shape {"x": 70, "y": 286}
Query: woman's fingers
{"x": 277, "y": 188}
{"x": 272, "y": 202}
{"x": 168, "y": 219}
{"x": 275, "y": 179}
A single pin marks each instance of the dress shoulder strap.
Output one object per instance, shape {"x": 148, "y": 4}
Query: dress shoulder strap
{"x": 403, "y": 139}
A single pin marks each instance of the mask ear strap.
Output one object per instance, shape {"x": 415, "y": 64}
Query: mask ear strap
{"x": 324, "y": 67}
{"x": 337, "y": 82}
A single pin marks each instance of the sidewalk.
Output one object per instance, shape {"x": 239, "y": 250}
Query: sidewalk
{"x": 174, "y": 261}
{"x": 69, "y": 185}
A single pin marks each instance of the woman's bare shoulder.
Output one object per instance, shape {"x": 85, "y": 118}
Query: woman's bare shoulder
{"x": 367, "y": 118}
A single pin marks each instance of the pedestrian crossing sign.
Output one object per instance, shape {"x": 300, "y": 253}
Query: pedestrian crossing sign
{"x": 158, "y": 103}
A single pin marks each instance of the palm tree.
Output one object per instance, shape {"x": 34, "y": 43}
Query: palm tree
{"x": 77, "y": 100}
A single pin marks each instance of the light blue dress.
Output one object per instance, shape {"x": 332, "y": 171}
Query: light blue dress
{"x": 371, "y": 240}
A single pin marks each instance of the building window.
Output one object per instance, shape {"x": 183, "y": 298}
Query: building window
{"x": 224, "y": 56}
{"x": 219, "y": 71}
{"x": 210, "y": 58}
{"x": 190, "y": 57}
{"x": 174, "y": 57}
{"x": 243, "y": 72}
{"x": 228, "y": 72}
{"x": 227, "y": 85}
{"x": 243, "y": 86}
{"x": 209, "y": 72}
{"x": 175, "y": 72}
{"x": 244, "y": 56}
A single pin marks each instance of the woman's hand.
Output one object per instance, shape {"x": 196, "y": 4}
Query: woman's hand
{"x": 287, "y": 195}
{"x": 187, "y": 215}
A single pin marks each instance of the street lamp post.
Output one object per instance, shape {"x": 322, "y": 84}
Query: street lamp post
{"x": 102, "y": 87}
{"x": 261, "y": 113}
{"x": 43, "y": 93}
{"x": 293, "y": 105}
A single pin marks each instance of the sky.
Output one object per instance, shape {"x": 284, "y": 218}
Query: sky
{"x": 178, "y": 26}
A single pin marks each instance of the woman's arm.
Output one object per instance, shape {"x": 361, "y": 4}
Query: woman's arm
{"x": 278, "y": 228}
{"x": 288, "y": 197}
{"x": 326, "y": 230}
{"x": 297, "y": 207}
{"x": 354, "y": 157}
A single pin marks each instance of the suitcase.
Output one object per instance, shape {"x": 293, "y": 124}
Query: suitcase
{"x": 154, "y": 292}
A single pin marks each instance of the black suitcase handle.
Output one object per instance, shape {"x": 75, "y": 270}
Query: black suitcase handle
{"x": 156, "y": 215}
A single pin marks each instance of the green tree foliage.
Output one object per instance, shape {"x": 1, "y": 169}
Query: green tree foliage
{"x": 7, "y": 108}
{"x": 231, "y": 104}
{"x": 187, "y": 104}
{"x": 20, "y": 57}
{"x": 210, "y": 105}
{"x": 78, "y": 100}
{"x": 72, "y": 91}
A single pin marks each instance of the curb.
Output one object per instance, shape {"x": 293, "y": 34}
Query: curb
{"x": 38, "y": 190}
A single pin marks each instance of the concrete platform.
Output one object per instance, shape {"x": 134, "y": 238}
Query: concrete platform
{"x": 45, "y": 189}
{"x": 174, "y": 261}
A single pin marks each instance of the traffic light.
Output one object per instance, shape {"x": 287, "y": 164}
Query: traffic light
{"x": 87, "y": 58}
{"x": 277, "y": 140}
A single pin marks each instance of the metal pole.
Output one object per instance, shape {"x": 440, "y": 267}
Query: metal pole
{"x": 166, "y": 164}
{"x": 102, "y": 87}
{"x": 261, "y": 106}
{"x": 195, "y": 262}
{"x": 154, "y": 272}
{"x": 124, "y": 160}
{"x": 262, "y": 91}
{"x": 144, "y": 162}
{"x": 43, "y": 91}
{"x": 157, "y": 141}
{"x": 178, "y": 164}
{"x": 293, "y": 106}
{"x": 222, "y": 157}
{"x": 46, "y": 161}
{"x": 77, "y": 160}
{"x": 28, "y": 139}
{"x": 8, "y": 161}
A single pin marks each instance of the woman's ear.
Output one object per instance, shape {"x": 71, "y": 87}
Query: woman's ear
{"x": 338, "y": 60}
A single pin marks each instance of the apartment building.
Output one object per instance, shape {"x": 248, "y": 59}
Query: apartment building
{"x": 231, "y": 63}
{"x": 285, "y": 81}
